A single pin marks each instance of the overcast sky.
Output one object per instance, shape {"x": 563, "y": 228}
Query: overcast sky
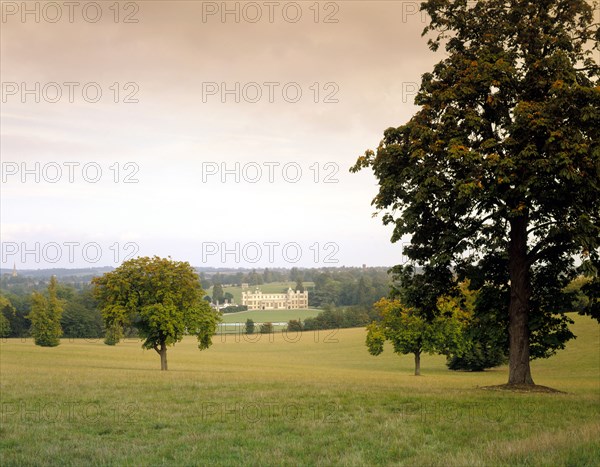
{"x": 281, "y": 102}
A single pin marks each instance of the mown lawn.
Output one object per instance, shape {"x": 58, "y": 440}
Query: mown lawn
{"x": 273, "y": 316}
{"x": 290, "y": 400}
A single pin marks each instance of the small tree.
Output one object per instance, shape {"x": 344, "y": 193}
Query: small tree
{"x": 114, "y": 333}
{"x": 45, "y": 316}
{"x": 159, "y": 297}
{"x": 266, "y": 328}
{"x": 411, "y": 332}
{"x": 249, "y": 326}
{"x": 217, "y": 294}
{"x": 295, "y": 325}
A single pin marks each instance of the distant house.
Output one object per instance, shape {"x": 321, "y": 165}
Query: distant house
{"x": 290, "y": 300}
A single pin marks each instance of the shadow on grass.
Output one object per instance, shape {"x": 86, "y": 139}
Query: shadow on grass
{"x": 522, "y": 388}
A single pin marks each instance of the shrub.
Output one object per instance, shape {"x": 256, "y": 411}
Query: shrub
{"x": 249, "y": 326}
{"x": 295, "y": 325}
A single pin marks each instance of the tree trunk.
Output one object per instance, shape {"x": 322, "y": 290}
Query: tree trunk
{"x": 417, "y": 363}
{"x": 519, "y": 371}
{"x": 162, "y": 351}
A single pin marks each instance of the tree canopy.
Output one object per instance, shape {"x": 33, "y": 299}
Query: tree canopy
{"x": 496, "y": 177}
{"x": 161, "y": 298}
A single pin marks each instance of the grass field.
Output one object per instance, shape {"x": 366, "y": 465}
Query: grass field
{"x": 319, "y": 400}
{"x": 277, "y": 317}
{"x": 273, "y": 316}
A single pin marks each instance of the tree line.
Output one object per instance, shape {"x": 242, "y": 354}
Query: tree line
{"x": 160, "y": 301}
{"x": 82, "y": 318}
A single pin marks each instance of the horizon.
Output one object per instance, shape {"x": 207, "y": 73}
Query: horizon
{"x": 223, "y": 269}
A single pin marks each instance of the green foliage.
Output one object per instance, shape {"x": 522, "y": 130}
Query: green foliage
{"x": 217, "y": 294}
{"x": 161, "y": 298}
{"x": 234, "y": 309}
{"x": 114, "y": 334}
{"x": 249, "y": 326}
{"x": 6, "y": 308}
{"x": 592, "y": 292}
{"x": 296, "y": 275}
{"x": 412, "y": 332}
{"x": 267, "y": 328}
{"x": 45, "y": 316}
{"x": 81, "y": 317}
{"x": 295, "y": 325}
{"x": 349, "y": 287}
{"x": 4, "y": 326}
{"x": 580, "y": 301}
{"x": 499, "y": 166}
{"x": 585, "y": 292}
{"x": 254, "y": 278}
{"x": 336, "y": 318}
{"x": 18, "y": 322}
{"x": 375, "y": 339}
{"x": 407, "y": 331}
{"x": 485, "y": 335}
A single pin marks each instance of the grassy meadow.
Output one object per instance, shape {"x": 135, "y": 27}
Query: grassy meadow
{"x": 309, "y": 399}
{"x": 273, "y": 316}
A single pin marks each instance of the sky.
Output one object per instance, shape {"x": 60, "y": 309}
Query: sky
{"x": 219, "y": 133}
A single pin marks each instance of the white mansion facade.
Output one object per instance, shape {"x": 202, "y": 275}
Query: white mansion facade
{"x": 290, "y": 300}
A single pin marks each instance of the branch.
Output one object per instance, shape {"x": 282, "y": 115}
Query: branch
{"x": 587, "y": 68}
{"x": 538, "y": 250}
{"x": 545, "y": 224}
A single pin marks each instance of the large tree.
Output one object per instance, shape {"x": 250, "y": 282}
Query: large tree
{"x": 497, "y": 175}
{"x": 161, "y": 298}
